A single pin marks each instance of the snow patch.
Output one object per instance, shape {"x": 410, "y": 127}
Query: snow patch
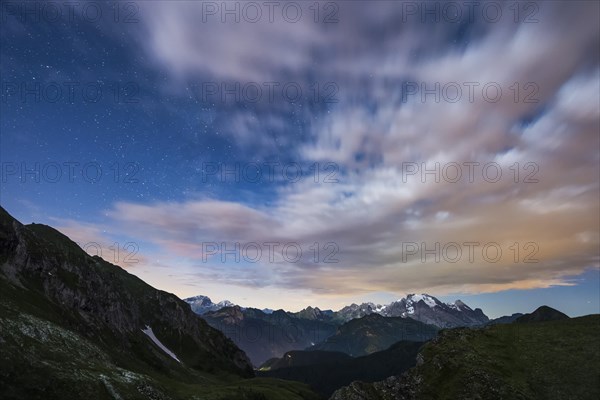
{"x": 427, "y": 299}
{"x": 460, "y": 306}
{"x": 150, "y": 334}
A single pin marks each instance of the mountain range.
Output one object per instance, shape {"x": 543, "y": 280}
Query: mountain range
{"x": 373, "y": 333}
{"x": 420, "y": 307}
{"x": 356, "y": 329}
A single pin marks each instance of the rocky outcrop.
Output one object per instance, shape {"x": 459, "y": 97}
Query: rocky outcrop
{"x": 102, "y": 301}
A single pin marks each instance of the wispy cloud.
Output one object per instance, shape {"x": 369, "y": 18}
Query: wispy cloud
{"x": 546, "y": 120}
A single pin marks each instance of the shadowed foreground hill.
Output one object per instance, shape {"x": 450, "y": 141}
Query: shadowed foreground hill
{"x": 325, "y": 372}
{"x": 551, "y": 360}
{"x": 71, "y": 327}
{"x": 543, "y": 313}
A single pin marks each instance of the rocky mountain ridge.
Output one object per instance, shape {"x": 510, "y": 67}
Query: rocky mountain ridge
{"x": 424, "y": 308}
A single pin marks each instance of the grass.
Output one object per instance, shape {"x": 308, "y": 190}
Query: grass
{"x": 42, "y": 360}
{"x": 554, "y": 360}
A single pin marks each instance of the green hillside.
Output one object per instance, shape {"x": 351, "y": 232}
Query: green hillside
{"x": 551, "y": 360}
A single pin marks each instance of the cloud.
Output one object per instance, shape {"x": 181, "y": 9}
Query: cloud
{"x": 98, "y": 240}
{"x": 189, "y": 39}
{"x": 370, "y": 54}
{"x": 376, "y": 132}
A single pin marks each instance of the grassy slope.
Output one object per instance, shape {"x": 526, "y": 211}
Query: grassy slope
{"x": 42, "y": 359}
{"x": 554, "y": 360}
{"x": 544, "y": 360}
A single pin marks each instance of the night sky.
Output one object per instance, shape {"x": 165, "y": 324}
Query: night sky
{"x": 179, "y": 139}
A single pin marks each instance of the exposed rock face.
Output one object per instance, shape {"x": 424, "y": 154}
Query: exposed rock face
{"x": 431, "y": 311}
{"x": 102, "y": 301}
{"x": 420, "y": 307}
{"x": 372, "y": 333}
{"x": 357, "y": 311}
{"x": 263, "y": 336}
{"x": 203, "y": 304}
{"x": 403, "y": 387}
{"x": 314, "y": 313}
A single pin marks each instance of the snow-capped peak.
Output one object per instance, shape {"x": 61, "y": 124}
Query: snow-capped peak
{"x": 380, "y": 308}
{"x": 201, "y": 300}
{"x": 225, "y": 303}
{"x": 415, "y": 298}
{"x": 203, "y": 304}
{"x": 459, "y": 305}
